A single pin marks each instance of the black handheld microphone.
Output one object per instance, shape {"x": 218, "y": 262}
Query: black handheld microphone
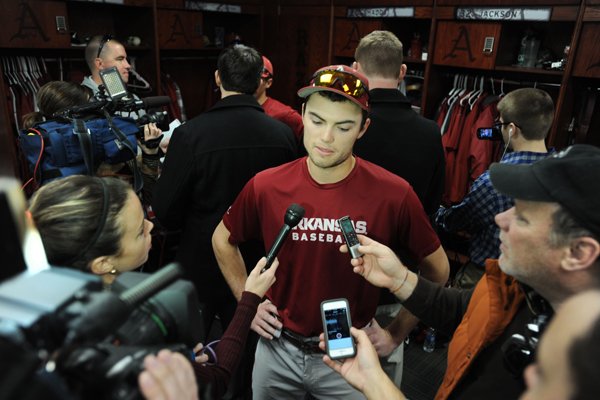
{"x": 293, "y": 215}
{"x": 156, "y": 101}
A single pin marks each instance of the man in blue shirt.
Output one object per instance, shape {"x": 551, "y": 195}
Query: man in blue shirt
{"x": 525, "y": 119}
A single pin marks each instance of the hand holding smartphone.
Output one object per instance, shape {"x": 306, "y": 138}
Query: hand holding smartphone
{"x": 336, "y": 327}
{"x": 349, "y": 233}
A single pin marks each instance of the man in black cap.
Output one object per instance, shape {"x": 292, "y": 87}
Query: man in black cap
{"x": 550, "y": 241}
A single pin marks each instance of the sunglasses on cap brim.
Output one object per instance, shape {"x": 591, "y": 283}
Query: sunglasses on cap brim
{"x": 342, "y": 81}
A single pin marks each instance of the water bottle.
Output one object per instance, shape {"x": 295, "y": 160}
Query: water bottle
{"x": 429, "y": 343}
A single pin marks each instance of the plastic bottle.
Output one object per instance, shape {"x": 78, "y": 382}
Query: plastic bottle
{"x": 429, "y": 342}
{"x": 522, "y": 50}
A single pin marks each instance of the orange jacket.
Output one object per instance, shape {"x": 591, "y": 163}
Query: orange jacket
{"x": 493, "y": 305}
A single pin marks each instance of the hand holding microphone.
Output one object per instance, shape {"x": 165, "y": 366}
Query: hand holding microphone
{"x": 293, "y": 215}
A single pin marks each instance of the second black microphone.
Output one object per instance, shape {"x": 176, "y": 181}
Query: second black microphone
{"x": 293, "y": 215}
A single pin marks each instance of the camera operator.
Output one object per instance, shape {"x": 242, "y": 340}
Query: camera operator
{"x": 104, "y": 52}
{"x": 97, "y": 224}
{"x": 56, "y": 96}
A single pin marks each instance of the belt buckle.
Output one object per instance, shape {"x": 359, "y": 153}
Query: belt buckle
{"x": 304, "y": 345}
{"x": 309, "y": 347}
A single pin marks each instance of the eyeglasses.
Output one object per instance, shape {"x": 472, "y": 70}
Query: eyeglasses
{"x": 343, "y": 81}
{"x": 499, "y": 125}
{"x": 105, "y": 39}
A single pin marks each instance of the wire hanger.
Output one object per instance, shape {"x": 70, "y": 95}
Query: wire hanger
{"x": 144, "y": 83}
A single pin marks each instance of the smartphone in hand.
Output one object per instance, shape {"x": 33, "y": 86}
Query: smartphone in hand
{"x": 336, "y": 327}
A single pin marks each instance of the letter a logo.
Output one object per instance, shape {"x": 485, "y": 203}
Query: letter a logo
{"x": 177, "y": 29}
{"x": 29, "y": 26}
{"x": 461, "y": 43}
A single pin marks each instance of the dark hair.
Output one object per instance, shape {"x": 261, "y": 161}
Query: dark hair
{"x": 240, "y": 69}
{"x": 583, "y": 357}
{"x": 336, "y": 97}
{"x": 67, "y": 214}
{"x": 56, "y": 96}
{"x": 529, "y": 108}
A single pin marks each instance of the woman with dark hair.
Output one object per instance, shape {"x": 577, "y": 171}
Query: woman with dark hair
{"x": 92, "y": 224}
{"x": 98, "y": 225}
{"x": 56, "y": 96}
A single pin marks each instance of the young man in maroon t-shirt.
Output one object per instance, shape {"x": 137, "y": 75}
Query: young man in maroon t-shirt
{"x": 329, "y": 183}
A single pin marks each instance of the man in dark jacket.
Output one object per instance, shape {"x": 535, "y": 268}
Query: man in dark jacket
{"x": 404, "y": 143}
{"x": 210, "y": 159}
{"x": 398, "y": 139}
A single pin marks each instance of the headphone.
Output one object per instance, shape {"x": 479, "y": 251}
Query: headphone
{"x": 510, "y": 131}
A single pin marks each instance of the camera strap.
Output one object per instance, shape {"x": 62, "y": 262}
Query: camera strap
{"x": 85, "y": 143}
{"x": 122, "y": 142}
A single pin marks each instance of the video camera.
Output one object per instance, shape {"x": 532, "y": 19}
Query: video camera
{"x": 113, "y": 97}
{"x": 62, "y": 321}
{"x": 77, "y": 140}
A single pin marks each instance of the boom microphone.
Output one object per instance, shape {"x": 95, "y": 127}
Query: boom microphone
{"x": 293, "y": 215}
{"x": 156, "y": 101}
{"x": 143, "y": 104}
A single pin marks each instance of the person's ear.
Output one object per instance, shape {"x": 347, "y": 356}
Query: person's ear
{"x": 268, "y": 83}
{"x": 217, "y": 78}
{"x": 402, "y": 72}
{"x": 355, "y": 65}
{"x": 512, "y": 130}
{"x": 101, "y": 265}
{"x": 581, "y": 254}
{"x": 364, "y": 129}
{"x": 98, "y": 63}
{"x": 302, "y": 110}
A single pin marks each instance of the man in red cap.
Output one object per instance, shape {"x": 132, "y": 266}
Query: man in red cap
{"x": 275, "y": 108}
{"x": 329, "y": 183}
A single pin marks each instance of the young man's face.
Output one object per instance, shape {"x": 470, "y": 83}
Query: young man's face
{"x": 114, "y": 55}
{"x": 330, "y": 130}
{"x": 526, "y": 253}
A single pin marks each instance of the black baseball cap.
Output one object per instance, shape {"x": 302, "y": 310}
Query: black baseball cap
{"x": 570, "y": 177}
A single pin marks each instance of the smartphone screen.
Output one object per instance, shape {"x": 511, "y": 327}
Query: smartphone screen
{"x": 336, "y": 325}
{"x": 489, "y": 134}
{"x": 113, "y": 83}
